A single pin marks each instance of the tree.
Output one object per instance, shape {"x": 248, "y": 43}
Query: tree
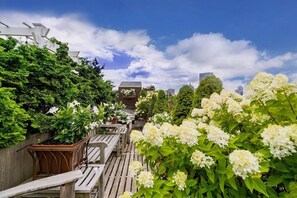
{"x": 183, "y": 106}
{"x": 143, "y": 93}
{"x": 161, "y": 104}
{"x": 207, "y": 86}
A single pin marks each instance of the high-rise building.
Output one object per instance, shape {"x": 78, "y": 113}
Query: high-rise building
{"x": 239, "y": 90}
{"x": 170, "y": 92}
{"x": 203, "y": 75}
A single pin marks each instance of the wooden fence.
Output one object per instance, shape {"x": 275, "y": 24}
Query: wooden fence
{"x": 16, "y": 163}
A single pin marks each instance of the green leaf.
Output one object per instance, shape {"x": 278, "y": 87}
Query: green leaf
{"x": 162, "y": 169}
{"x": 249, "y": 183}
{"x": 232, "y": 182}
{"x": 210, "y": 174}
{"x": 177, "y": 193}
{"x": 222, "y": 179}
{"x": 274, "y": 180}
{"x": 260, "y": 187}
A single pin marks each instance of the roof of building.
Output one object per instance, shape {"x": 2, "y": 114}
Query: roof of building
{"x": 130, "y": 84}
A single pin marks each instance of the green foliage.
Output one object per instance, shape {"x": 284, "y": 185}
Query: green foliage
{"x": 207, "y": 86}
{"x": 152, "y": 105}
{"x": 42, "y": 79}
{"x": 12, "y": 119}
{"x": 145, "y": 105}
{"x": 143, "y": 93}
{"x": 161, "y": 104}
{"x": 235, "y": 146}
{"x": 183, "y": 104}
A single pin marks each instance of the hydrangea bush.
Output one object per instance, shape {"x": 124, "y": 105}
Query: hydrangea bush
{"x": 235, "y": 146}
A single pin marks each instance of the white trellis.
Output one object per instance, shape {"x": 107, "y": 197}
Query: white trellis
{"x": 38, "y": 34}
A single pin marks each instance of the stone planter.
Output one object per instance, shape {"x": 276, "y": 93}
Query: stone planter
{"x": 55, "y": 159}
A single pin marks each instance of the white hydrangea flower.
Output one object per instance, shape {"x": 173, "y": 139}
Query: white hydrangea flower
{"x": 279, "y": 82}
{"x": 200, "y": 159}
{"x": 52, "y": 110}
{"x": 198, "y": 112}
{"x": 243, "y": 163}
{"x": 259, "y": 87}
{"x": 95, "y": 110}
{"x": 189, "y": 123}
{"x": 202, "y": 126}
{"x": 126, "y": 194}
{"x": 278, "y": 139}
{"x": 147, "y": 127}
{"x": 233, "y": 107}
{"x": 216, "y": 98}
{"x": 218, "y": 136}
{"x": 146, "y": 179}
{"x": 167, "y": 130}
{"x": 136, "y": 136}
{"x": 153, "y": 136}
{"x": 180, "y": 178}
{"x": 135, "y": 167}
{"x": 187, "y": 135}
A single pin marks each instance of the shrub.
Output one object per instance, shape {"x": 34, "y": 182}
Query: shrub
{"x": 234, "y": 147}
{"x": 12, "y": 119}
{"x": 161, "y": 104}
{"x": 207, "y": 86}
{"x": 183, "y": 104}
{"x": 42, "y": 79}
{"x": 144, "y": 104}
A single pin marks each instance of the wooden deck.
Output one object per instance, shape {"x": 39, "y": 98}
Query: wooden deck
{"x": 117, "y": 176}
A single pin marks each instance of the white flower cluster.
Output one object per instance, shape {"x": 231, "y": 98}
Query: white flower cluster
{"x": 146, "y": 179}
{"x": 282, "y": 141}
{"x": 259, "y": 118}
{"x": 179, "y": 178}
{"x": 128, "y": 92}
{"x": 136, "y": 136}
{"x": 160, "y": 118}
{"x": 218, "y": 136}
{"x": 53, "y": 110}
{"x": 153, "y": 136}
{"x": 92, "y": 126}
{"x": 167, "y": 130}
{"x": 198, "y": 112}
{"x": 243, "y": 163}
{"x": 187, "y": 135}
{"x": 126, "y": 194}
{"x": 74, "y": 103}
{"x": 264, "y": 85}
{"x": 135, "y": 168}
{"x": 201, "y": 160}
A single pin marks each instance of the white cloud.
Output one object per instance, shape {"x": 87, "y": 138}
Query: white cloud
{"x": 179, "y": 64}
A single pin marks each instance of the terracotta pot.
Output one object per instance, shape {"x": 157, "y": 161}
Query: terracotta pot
{"x": 55, "y": 159}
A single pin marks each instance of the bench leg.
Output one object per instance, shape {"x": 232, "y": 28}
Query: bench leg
{"x": 118, "y": 148}
{"x": 67, "y": 191}
{"x": 101, "y": 186}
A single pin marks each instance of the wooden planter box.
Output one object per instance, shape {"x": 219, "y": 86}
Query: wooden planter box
{"x": 55, "y": 159}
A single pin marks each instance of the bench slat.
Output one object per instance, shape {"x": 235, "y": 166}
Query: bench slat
{"x": 44, "y": 183}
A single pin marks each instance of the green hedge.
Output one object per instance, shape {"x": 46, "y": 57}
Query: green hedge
{"x": 42, "y": 79}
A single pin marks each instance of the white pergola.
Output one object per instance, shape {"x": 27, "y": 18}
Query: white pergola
{"x": 38, "y": 34}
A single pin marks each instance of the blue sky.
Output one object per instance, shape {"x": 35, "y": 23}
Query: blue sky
{"x": 168, "y": 42}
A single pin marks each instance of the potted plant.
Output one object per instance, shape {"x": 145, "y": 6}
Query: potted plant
{"x": 113, "y": 112}
{"x": 128, "y": 93}
{"x": 64, "y": 152}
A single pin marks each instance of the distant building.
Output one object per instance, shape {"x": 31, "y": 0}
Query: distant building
{"x": 239, "y": 90}
{"x": 129, "y": 92}
{"x": 203, "y": 75}
{"x": 170, "y": 92}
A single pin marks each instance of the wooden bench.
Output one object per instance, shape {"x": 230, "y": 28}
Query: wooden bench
{"x": 65, "y": 180}
{"x": 91, "y": 184}
{"x": 101, "y": 147}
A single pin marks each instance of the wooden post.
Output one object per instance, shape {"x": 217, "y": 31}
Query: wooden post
{"x": 101, "y": 186}
{"x": 68, "y": 190}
